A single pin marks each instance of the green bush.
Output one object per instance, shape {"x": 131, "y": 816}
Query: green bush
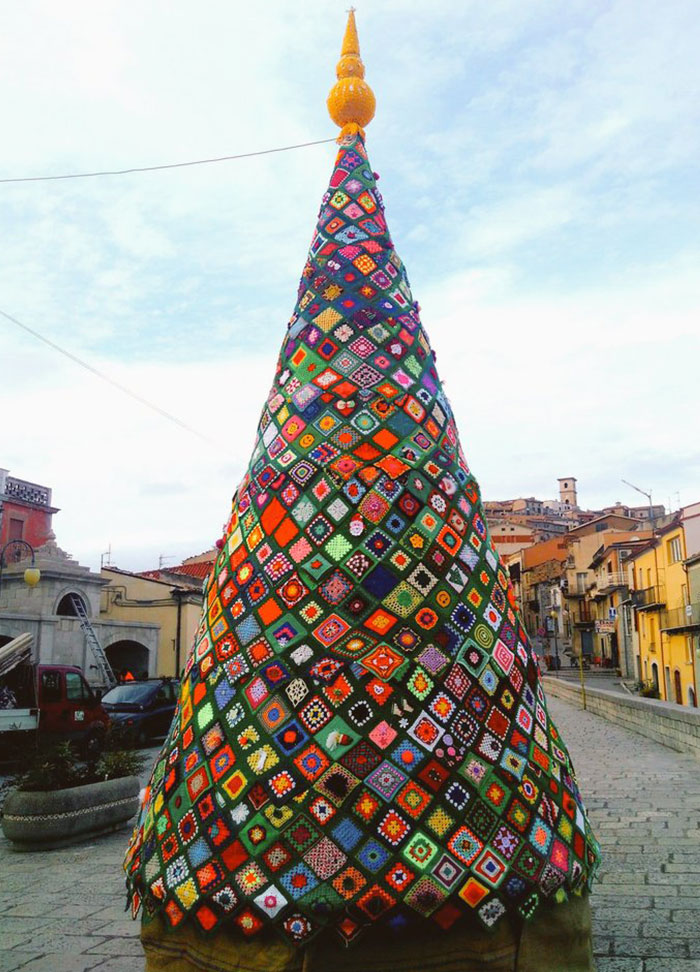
{"x": 60, "y": 767}
{"x": 53, "y": 769}
{"x": 116, "y": 763}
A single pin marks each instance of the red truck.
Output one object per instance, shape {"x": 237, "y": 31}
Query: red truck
{"x": 47, "y": 703}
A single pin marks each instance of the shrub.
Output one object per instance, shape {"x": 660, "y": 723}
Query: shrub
{"x": 53, "y": 769}
{"x": 61, "y": 767}
{"x": 116, "y": 763}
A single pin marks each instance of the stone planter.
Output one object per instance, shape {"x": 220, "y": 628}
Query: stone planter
{"x": 41, "y": 820}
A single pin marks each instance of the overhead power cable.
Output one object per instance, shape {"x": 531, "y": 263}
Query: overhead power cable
{"x": 168, "y": 165}
{"x": 100, "y": 374}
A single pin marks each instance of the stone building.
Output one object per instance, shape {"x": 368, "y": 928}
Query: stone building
{"x": 48, "y": 613}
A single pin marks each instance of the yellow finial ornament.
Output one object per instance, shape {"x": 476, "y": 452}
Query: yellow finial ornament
{"x": 351, "y": 101}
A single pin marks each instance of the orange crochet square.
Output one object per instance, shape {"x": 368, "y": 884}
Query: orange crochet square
{"x": 385, "y": 439}
{"x": 286, "y": 531}
{"x": 473, "y": 892}
{"x": 272, "y": 515}
{"x": 392, "y": 466}
{"x": 269, "y": 611}
{"x": 380, "y": 621}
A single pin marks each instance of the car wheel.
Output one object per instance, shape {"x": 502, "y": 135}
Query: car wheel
{"x": 94, "y": 744}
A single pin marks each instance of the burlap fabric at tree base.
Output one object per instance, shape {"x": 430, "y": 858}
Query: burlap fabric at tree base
{"x": 554, "y": 941}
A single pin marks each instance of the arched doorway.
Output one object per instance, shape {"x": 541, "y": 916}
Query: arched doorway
{"x": 655, "y": 675}
{"x": 614, "y": 652}
{"x": 691, "y": 697}
{"x": 128, "y": 656}
{"x": 66, "y": 606}
{"x": 677, "y": 686}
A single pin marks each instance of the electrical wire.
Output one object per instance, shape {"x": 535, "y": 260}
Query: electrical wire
{"x": 168, "y": 165}
{"x": 100, "y": 374}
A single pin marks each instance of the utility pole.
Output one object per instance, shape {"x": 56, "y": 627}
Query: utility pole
{"x": 657, "y": 593}
{"x": 648, "y": 496}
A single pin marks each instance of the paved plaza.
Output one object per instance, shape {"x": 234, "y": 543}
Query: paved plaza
{"x": 64, "y": 911}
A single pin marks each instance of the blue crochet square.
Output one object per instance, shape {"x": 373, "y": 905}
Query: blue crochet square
{"x": 373, "y": 856}
{"x": 299, "y": 880}
{"x": 223, "y": 694}
{"x": 247, "y": 629}
{"x": 198, "y": 852}
{"x": 347, "y": 834}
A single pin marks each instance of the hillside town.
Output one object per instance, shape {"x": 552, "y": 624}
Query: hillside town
{"x": 614, "y": 589}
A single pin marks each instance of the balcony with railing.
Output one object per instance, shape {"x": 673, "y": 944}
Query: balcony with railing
{"x": 649, "y": 598}
{"x": 583, "y": 618}
{"x": 612, "y": 581}
{"x": 25, "y": 492}
{"x": 685, "y": 618}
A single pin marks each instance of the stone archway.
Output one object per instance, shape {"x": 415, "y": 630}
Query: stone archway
{"x": 129, "y": 656}
{"x": 66, "y": 608}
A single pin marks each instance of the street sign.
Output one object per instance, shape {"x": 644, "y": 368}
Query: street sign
{"x": 604, "y": 627}
{"x": 612, "y": 613}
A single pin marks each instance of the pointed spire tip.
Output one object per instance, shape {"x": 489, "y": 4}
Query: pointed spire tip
{"x": 351, "y": 102}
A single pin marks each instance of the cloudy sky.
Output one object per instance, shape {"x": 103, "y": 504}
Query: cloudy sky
{"x": 539, "y": 164}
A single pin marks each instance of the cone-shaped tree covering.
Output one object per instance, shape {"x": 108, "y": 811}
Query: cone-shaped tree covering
{"x": 362, "y": 735}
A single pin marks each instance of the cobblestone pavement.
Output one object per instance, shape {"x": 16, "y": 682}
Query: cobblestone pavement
{"x": 63, "y": 912}
{"x": 644, "y": 802}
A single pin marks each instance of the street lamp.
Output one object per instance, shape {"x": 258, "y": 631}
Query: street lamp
{"x": 553, "y": 616}
{"x": 32, "y": 575}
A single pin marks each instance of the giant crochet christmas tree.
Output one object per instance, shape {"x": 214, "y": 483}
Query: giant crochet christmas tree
{"x": 362, "y": 735}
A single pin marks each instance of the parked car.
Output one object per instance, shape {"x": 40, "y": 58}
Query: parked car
{"x": 51, "y": 702}
{"x": 138, "y": 710}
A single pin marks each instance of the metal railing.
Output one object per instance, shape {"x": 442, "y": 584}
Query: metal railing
{"x": 649, "y": 597}
{"x": 612, "y": 580}
{"x": 683, "y": 618}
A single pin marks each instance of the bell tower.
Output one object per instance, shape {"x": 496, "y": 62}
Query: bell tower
{"x": 567, "y": 491}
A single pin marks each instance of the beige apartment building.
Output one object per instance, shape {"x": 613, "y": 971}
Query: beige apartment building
{"x": 174, "y": 607}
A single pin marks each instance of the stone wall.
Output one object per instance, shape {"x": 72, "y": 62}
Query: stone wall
{"x": 675, "y": 726}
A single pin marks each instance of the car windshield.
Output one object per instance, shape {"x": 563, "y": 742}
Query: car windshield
{"x": 134, "y": 692}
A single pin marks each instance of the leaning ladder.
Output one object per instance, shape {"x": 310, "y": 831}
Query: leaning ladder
{"x": 107, "y": 676}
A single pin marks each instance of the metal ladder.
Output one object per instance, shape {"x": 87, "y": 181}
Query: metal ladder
{"x": 107, "y": 676}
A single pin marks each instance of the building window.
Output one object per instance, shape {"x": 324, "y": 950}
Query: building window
{"x": 581, "y": 583}
{"x": 674, "y": 550}
{"x": 16, "y": 528}
{"x": 689, "y": 650}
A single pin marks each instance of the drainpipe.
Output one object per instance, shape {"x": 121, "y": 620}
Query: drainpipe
{"x": 662, "y": 680}
{"x": 692, "y": 639}
{"x": 176, "y": 592}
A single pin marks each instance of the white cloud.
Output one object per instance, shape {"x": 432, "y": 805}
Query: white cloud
{"x": 540, "y": 174}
